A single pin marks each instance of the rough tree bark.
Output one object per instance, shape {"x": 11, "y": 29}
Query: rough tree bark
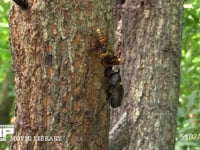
{"x": 58, "y": 79}
{"x": 151, "y": 37}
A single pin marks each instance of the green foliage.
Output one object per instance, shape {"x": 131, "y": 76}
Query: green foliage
{"x": 4, "y": 44}
{"x": 188, "y": 119}
{"x": 5, "y": 61}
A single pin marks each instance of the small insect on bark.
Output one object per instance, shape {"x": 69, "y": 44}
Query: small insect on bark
{"x": 120, "y": 2}
{"x": 48, "y": 59}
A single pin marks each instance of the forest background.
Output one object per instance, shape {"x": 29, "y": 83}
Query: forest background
{"x": 188, "y": 117}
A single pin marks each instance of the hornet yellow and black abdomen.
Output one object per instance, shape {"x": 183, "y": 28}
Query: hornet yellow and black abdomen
{"x": 111, "y": 60}
{"x": 101, "y": 37}
{"x": 101, "y": 40}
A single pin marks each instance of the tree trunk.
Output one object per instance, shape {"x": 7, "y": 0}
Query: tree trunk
{"x": 59, "y": 80}
{"x": 151, "y": 37}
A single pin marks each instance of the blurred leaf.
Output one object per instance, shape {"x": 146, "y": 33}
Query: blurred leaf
{"x": 192, "y": 100}
{"x": 181, "y": 112}
{"x": 181, "y": 144}
{"x": 196, "y": 111}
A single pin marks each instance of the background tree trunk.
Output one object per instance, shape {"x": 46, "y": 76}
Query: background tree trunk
{"x": 59, "y": 80}
{"x": 151, "y": 43}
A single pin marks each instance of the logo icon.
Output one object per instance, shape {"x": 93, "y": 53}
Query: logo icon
{"x": 6, "y": 130}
